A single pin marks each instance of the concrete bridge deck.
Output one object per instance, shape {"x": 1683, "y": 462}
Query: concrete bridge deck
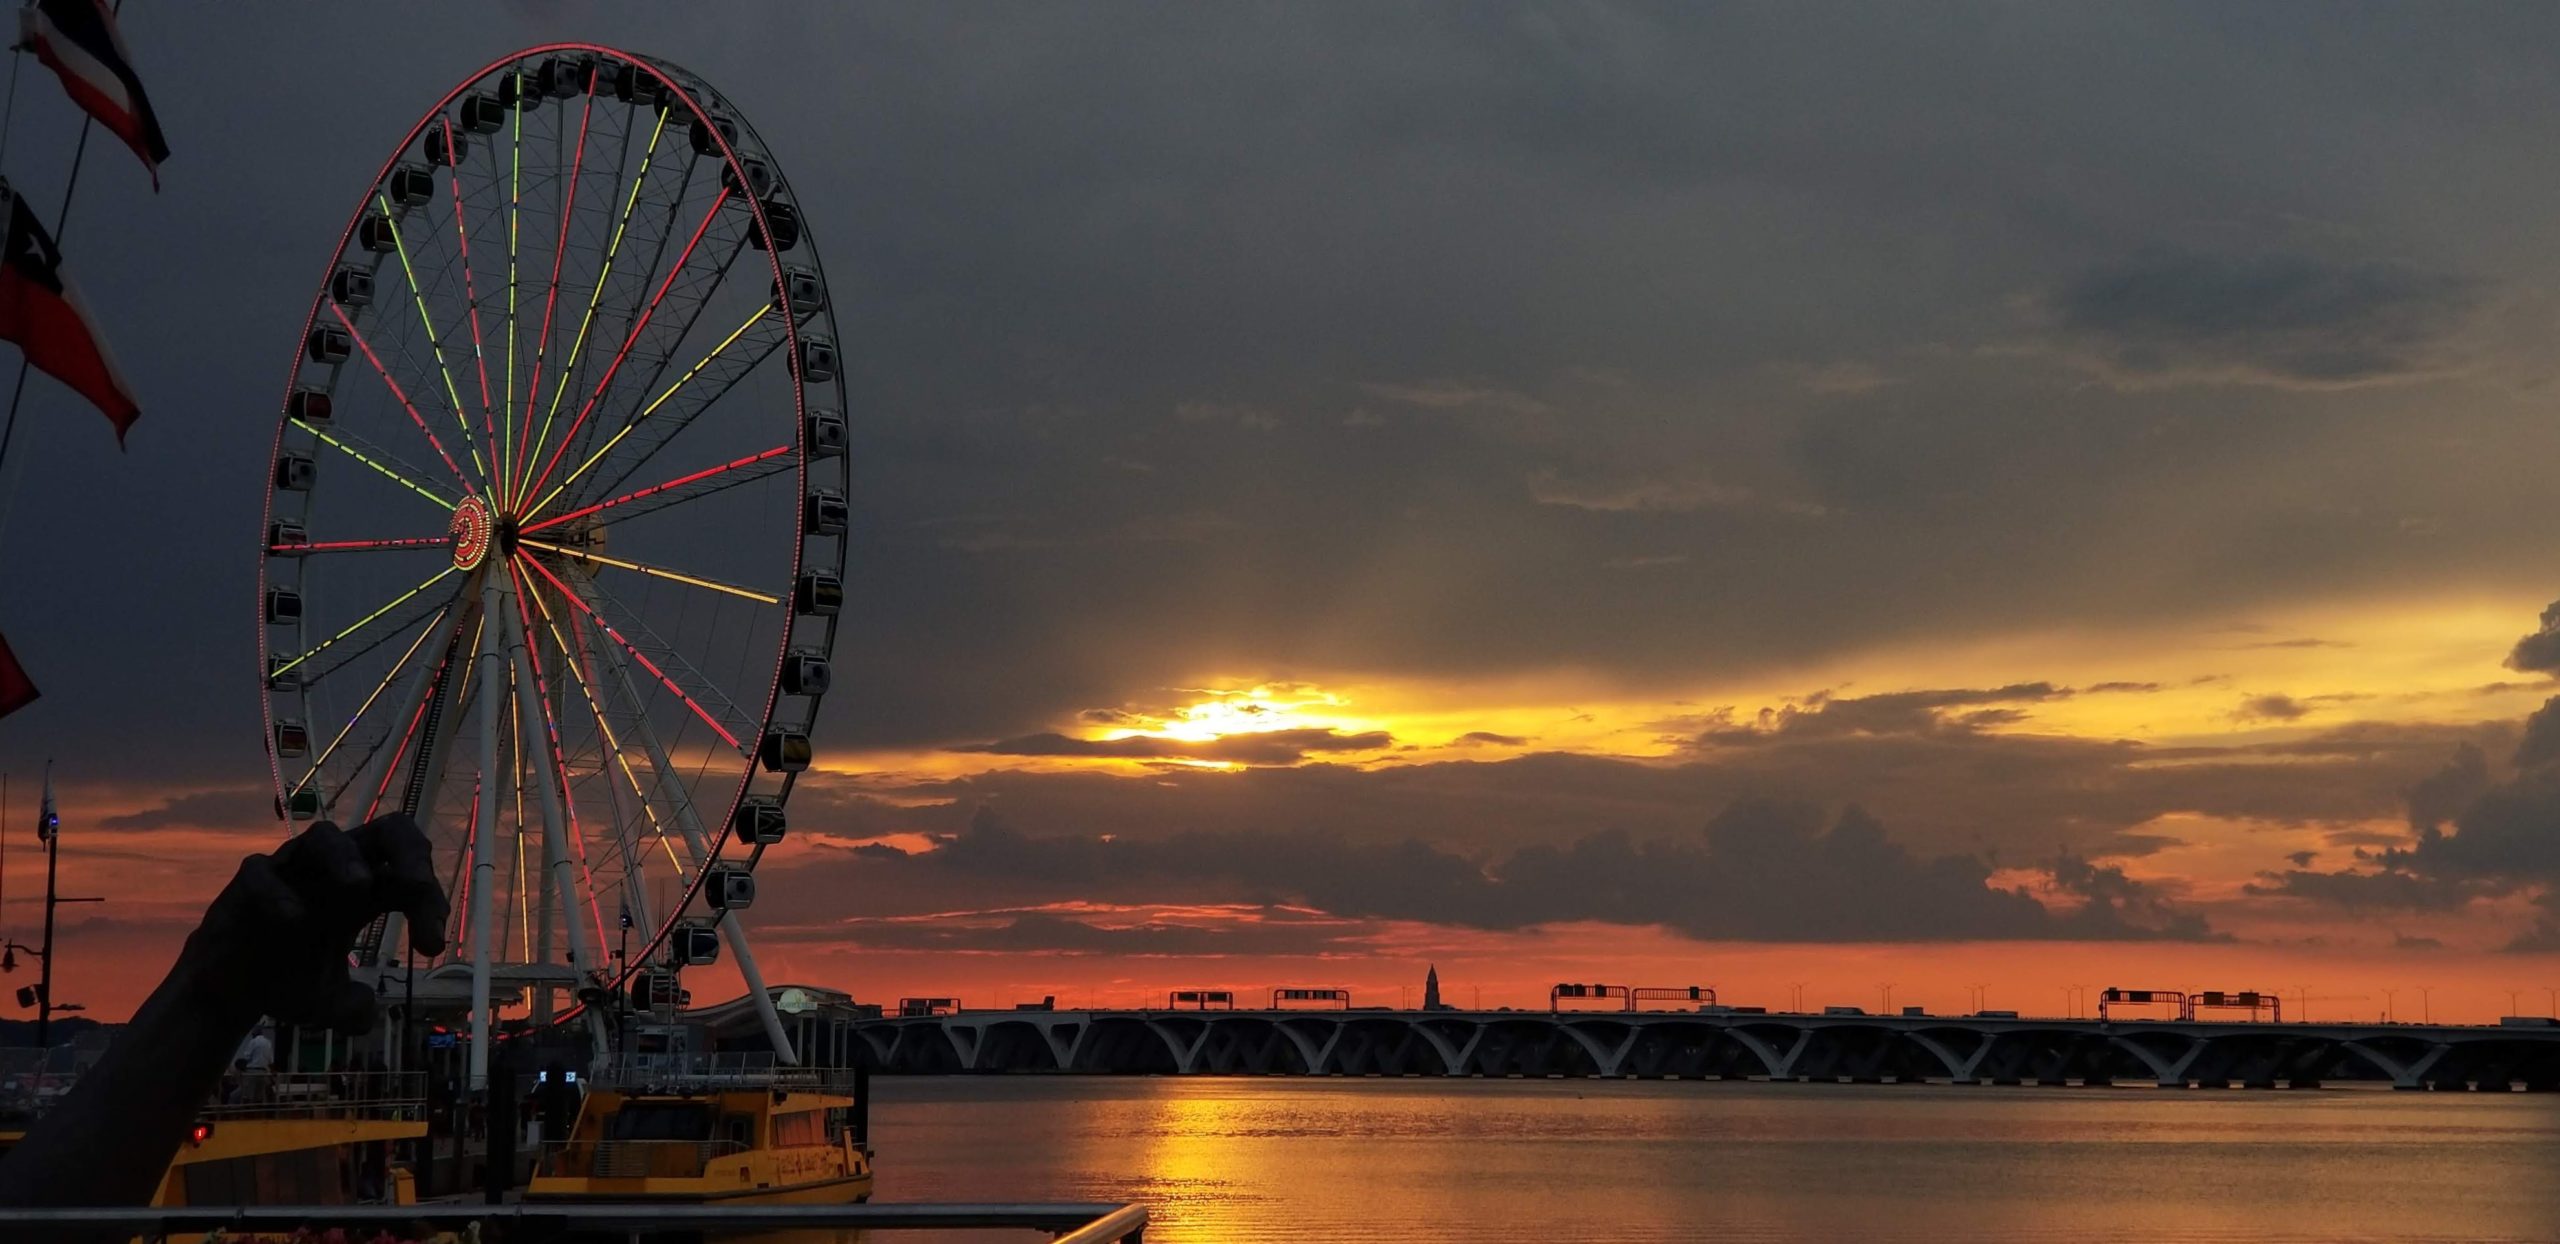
{"x": 1726, "y": 1045}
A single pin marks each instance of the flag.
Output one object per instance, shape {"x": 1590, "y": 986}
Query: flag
{"x": 77, "y": 40}
{"x": 40, "y": 311}
{"x": 47, "y": 820}
{"x": 16, "y": 690}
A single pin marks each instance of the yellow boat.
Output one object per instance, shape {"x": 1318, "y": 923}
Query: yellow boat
{"x": 779, "y": 1137}
{"x": 322, "y": 1139}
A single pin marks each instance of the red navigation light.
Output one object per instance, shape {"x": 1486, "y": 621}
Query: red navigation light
{"x": 201, "y": 1133}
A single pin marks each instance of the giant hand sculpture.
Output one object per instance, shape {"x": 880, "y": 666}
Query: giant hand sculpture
{"x": 274, "y": 943}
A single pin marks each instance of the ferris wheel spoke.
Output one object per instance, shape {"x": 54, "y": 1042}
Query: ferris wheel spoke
{"x": 515, "y": 203}
{"x": 315, "y": 673}
{"x": 585, "y": 679}
{"x": 586, "y": 322}
{"x": 435, "y": 341}
{"x": 310, "y": 548}
{"x": 611, "y": 369}
{"x": 682, "y": 488}
{"x": 701, "y": 305}
{"x": 376, "y": 457}
{"x": 653, "y": 572}
{"x": 560, "y": 251}
{"x": 357, "y": 719}
{"x": 471, "y": 298}
{"x": 402, "y": 397}
{"x": 699, "y": 847}
{"x": 623, "y": 642}
{"x": 559, "y": 805}
{"x": 652, "y": 408}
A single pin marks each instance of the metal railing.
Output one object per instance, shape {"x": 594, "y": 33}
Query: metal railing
{"x": 1070, "y": 1223}
{"x": 394, "y": 1095}
{"x": 641, "y": 1073}
{"x": 399, "y": 1095}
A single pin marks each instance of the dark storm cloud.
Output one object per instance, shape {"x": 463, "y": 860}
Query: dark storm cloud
{"x": 1052, "y": 933}
{"x": 2272, "y": 708}
{"x": 2280, "y": 319}
{"x": 1269, "y": 747}
{"x": 2473, "y": 834}
{"x": 1893, "y": 712}
{"x": 2443, "y": 794}
{"x": 2387, "y": 889}
{"x": 1759, "y": 871}
{"x": 2539, "y": 652}
{"x": 1951, "y": 789}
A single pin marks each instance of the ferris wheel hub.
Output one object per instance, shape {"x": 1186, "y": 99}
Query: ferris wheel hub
{"x": 473, "y": 532}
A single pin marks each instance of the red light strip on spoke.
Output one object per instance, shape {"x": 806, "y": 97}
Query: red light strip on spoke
{"x": 405, "y": 403}
{"x": 358, "y": 546}
{"x": 559, "y": 250}
{"x": 586, "y": 688}
{"x": 470, "y": 839}
{"x": 559, "y": 759}
{"x": 566, "y": 438}
{"x": 391, "y": 763}
{"x": 470, "y": 295}
{"x": 654, "y": 489}
{"x": 636, "y": 654}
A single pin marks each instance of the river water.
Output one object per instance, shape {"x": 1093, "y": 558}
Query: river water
{"x": 1427, "y": 1160}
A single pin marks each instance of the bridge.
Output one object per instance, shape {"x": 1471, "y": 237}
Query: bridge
{"x": 1714, "y": 1044}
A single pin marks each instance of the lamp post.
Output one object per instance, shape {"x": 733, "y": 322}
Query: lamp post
{"x": 48, "y": 828}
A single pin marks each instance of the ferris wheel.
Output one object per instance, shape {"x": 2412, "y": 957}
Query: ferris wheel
{"x": 555, "y": 534}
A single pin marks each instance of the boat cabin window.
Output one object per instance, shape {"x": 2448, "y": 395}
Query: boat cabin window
{"x": 738, "y": 1130}
{"x": 800, "y": 1127}
{"x": 656, "y": 1120}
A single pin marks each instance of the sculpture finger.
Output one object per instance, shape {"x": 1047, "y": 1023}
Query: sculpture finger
{"x": 404, "y": 878}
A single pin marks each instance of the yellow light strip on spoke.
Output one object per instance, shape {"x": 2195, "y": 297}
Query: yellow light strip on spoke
{"x": 434, "y": 343}
{"x": 367, "y": 706}
{"x": 368, "y": 619}
{"x": 533, "y": 451}
{"x": 515, "y": 197}
{"x": 646, "y": 411}
{"x": 352, "y": 452}
{"x": 651, "y": 571}
{"x": 597, "y": 708}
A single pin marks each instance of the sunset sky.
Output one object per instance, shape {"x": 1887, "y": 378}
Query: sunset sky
{"x": 1992, "y": 496}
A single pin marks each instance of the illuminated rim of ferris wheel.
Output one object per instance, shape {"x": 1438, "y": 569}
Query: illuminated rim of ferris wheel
{"x": 556, "y": 521}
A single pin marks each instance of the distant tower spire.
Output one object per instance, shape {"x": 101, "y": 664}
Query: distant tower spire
{"x": 1431, "y": 989}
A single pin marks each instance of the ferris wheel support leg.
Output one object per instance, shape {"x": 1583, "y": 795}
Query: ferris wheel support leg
{"x": 555, "y": 846}
{"x": 698, "y": 845}
{"x": 484, "y": 850}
